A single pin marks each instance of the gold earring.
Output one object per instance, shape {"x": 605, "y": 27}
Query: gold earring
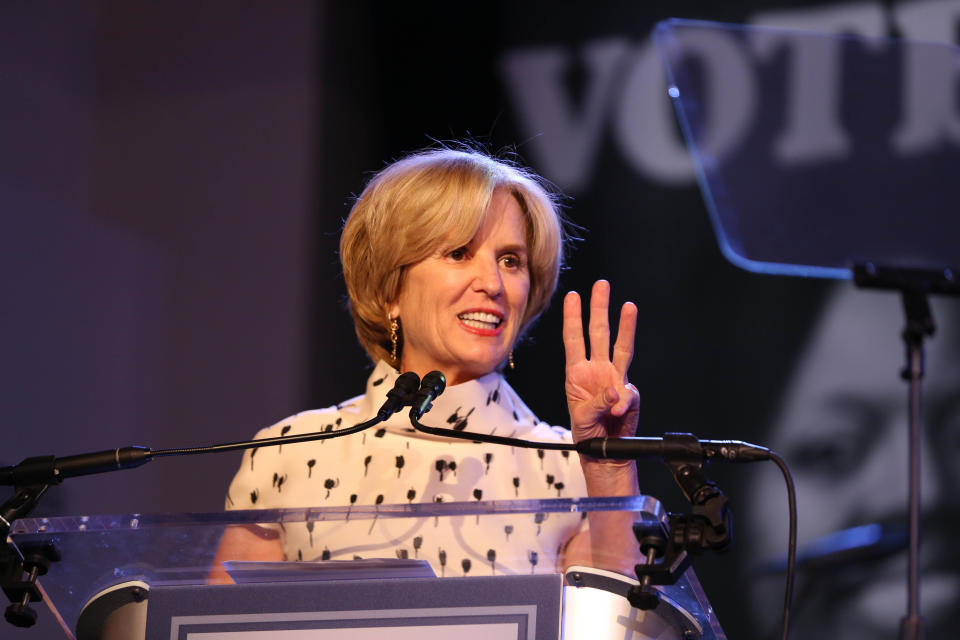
{"x": 510, "y": 362}
{"x": 394, "y": 330}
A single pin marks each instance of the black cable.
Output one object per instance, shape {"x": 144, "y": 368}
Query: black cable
{"x": 480, "y": 437}
{"x": 268, "y": 442}
{"x": 788, "y": 478}
{"x": 143, "y": 455}
{"x": 791, "y": 543}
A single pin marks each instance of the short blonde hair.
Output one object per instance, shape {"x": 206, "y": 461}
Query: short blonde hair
{"x": 431, "y": 201}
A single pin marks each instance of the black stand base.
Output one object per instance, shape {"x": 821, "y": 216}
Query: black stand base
{"x": 19, "y": 581}
{"x": 18, "y": 578}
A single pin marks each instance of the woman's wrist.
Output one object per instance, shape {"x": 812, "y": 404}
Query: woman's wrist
{"x": 610, "y": 477}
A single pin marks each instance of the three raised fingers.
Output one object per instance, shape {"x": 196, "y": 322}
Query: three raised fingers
{"x": 599, "y": 329}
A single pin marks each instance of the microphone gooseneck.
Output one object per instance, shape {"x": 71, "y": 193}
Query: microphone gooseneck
{"x": 48, "y": 469}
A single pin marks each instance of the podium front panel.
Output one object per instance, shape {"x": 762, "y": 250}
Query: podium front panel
{"x": 177, "y": 550}
{"x": 485, "y": 608}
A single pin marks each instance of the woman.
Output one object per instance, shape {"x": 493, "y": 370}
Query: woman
{"x": 449, "y": 257}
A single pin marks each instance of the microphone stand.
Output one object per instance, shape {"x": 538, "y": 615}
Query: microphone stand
{"x": 32, "y": 478}
{"x": 708, "y": 527}
{"x": 18, "y": 575}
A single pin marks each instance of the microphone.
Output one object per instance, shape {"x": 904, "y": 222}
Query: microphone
{"x": 431, "y": 386}
{"x": 398, "y": 397}
{"x": 672, "y": 447}
{"x": 48, "y": 469}
{"x": 52, "y": 470}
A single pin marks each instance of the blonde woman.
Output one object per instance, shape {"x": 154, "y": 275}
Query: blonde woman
{"x": 449, "y": 257}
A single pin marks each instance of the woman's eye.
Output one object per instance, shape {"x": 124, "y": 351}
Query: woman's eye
{"x": 458, "y": 254}
{"x": 511, "y": 262}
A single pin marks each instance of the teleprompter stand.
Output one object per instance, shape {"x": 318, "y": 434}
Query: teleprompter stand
{"x": 914, "y": 286}
{"x": 863, "y": 192}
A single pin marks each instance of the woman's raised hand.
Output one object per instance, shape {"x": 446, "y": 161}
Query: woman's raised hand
{"x": 603, "y": 403}
{"x": 601, "y": 400}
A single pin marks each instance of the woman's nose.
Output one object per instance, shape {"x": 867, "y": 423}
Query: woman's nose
{"x": 487, "y": 277}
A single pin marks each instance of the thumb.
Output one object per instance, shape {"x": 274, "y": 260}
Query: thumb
{"x": 609, "y": 397}
{"x": 629, "y": 400}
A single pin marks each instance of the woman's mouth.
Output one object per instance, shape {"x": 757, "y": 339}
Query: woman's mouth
{"x": 482, "y": 321}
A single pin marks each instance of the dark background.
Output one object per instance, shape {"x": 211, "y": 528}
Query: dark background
{"x": 174, "y": 177}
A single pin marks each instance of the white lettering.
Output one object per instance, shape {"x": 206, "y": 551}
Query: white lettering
{"x": 645, "y": 125}
{"x": 930, "y": 115}
{"x": 813, "y": 131}
{"x": 625, "y": 82}
{"x": 564, "y": 143}
{"x": 930, "y": 21}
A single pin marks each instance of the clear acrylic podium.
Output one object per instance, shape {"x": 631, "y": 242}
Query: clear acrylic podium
{"x": 151, "y": 572}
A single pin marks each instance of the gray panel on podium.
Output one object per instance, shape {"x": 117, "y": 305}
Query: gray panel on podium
{"x": 483, "y": 608}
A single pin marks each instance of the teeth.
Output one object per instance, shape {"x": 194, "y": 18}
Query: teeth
{"x": 480, "y": 319}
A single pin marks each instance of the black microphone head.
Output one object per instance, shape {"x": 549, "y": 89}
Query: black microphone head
{"x": 435, "y": 382}
{"x": 407, "y": 383}
{"x": 431, "y": 386}
{"x": 402, "y": 393}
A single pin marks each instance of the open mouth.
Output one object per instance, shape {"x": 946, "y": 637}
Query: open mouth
{"x": 481, "y": 320}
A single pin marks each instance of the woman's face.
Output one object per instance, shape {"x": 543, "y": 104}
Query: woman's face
{"x": 460, "y": 311}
